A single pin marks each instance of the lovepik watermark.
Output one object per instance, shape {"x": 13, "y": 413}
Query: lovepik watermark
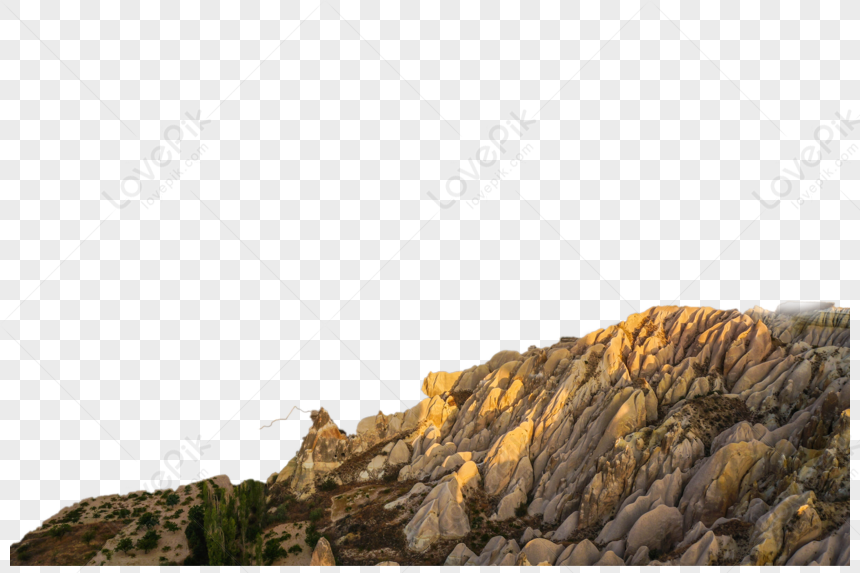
{"x": 485, "y": 167}
{"x": 811, "y": 157}
{"x": 164, "y": 163}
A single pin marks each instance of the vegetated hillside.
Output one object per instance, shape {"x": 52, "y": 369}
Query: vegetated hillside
{"x": 684, "y": 436}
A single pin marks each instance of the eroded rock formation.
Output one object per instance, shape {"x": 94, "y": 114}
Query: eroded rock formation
{"x": 684, "y": 436}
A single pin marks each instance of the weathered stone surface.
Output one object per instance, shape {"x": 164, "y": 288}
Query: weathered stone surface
{"x": 322, "y": 555}
{"x": 659, "y": 529}
{"x": 582, "y": 554}
{"x": 539, "y": 550}
{"x": 442, "y": 514}
{"x": 460, "y": 555}
{"x": 609, "y": 558}
{"x": 791, "y": 524}
{"x": 670, "y": 433}
{"x": 715, "y": 486}
{"x": 437, "y": 383}
{"x": 399, "y": 454}
{"x": 709, "y": 549}
{"x": 567, "y": 527}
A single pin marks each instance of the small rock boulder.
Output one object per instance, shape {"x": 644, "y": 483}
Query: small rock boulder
{"x": 659, "y": 529}
{"x": 539, "y": 550}
{"x": 399, "y": 454}
{"x": 583, "y": 554}
{"x": 437, "y": 383}
{"x": 460, "y": 555}
{"x": 322, "y": 555}
{"x": 610, "y": 558}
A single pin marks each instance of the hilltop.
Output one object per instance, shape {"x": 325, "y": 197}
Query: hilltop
{"x": 682, "y": 435}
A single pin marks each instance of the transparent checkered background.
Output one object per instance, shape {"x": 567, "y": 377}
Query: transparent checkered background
{"x": 213, "y": 213}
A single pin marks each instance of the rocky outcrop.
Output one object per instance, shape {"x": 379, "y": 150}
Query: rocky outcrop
{"x": 437, "y": 383}
{"x": 323, "y": 555}
{"x": 680, "y": 436}
{"x": 442, "y": 514}
{"x": 658, "y": 530}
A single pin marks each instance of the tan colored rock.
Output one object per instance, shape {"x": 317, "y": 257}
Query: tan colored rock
{"x": 609, "y": 559}
{"x": 788, "y": 526}
{"x": 460, "y": 555}
{"x": 436, "y": 383}
{"x": 583, "y": 553}
{"x": 399, "y": 454}
{"x": 288, "y": 471}
{"x": 504, "y": 456}
{"x": 530, "y": 534}
{"x": 659, "y": 529}
{"x": 323, "y": 555}
{"x": 538, "y": 550}
{"x": 503, "y": 357}
{"x": 640, "y": 558}
{"x": 567, "y": 527}
{"x": 709, "y": 550}
{"x": 714, "y": 488}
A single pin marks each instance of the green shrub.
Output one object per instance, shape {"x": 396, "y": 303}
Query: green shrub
{"x": 296, "y": 549}
{"x": 273, "y": 551}
{"x": 60, "y": 530}
{"x": 316, "y": 514}
{"x": 107, "y": 553}
{"x": 125, "y": 544}
{"x": 328, "y": 485}
{"x": 148, "y": 520}
{"x": 522, "y": 510}
{"x": 312, "y": 536}
{"x": 148, "y": 541}
{"x": 171, "y": 500}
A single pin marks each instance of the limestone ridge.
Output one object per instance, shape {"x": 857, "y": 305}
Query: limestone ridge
{"x": 682, "y": 430}
{"x": 683, "y": 436}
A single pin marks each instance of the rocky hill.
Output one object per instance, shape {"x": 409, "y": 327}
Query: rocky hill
{"x": 684, "y": 436}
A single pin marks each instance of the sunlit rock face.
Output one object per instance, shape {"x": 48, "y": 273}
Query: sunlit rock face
{"x": 680, "y": 436}
{"x": 725, "y": 431}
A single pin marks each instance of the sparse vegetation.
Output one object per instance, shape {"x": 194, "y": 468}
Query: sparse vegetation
{"x": 522, "y": 510}
{"x": 329, "y": 484}
{"x": 125, "y": 545}
{"x": 149, "y": 541}
{"x": 148, "y": 520}
{"x": 273, "y": 552}
{"x": 60, "y": 530}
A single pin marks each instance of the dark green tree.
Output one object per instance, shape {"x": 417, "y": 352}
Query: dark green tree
{"x": 196, "y": 536}
{"x": 125, "y": 545}
{"x": 273, "y": 551}
{"x": 148, "y": 520}
{"x": 258, "y": 546}
{"x": 148, "y": 541}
